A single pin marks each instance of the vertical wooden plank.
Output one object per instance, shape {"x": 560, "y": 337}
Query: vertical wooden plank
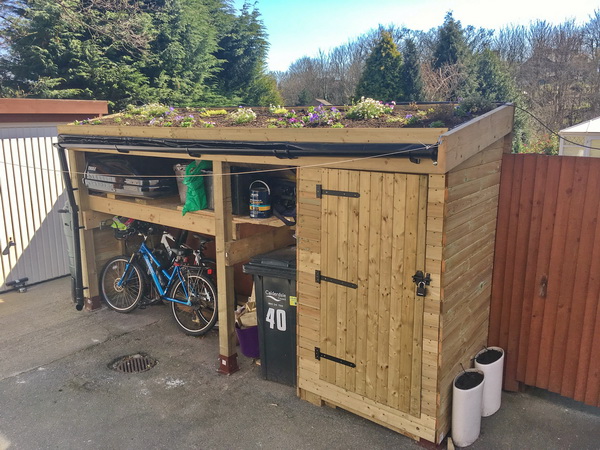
{"x": 342, "y": 274}
{"x": 408, "y": 290}
{"x": 362, "y": 310}
{"x": 385, "y": 279}
{"x": 571, "y": 265}
{"x": 331, "y": 270}
{"x": 353, "y": 263}
{"x": 592, "y": 393}
{"x": 397, "y": 285}
{"x": 585, "y": 353}
{"x": 509, "y": 271}
{"x": 542, "y": 267}
{"x": 325, "y": 213}
{"x": 417, "y": 338}
{"x": 523, "y": 222}
{"x": 90, "y": 270}
{"x": 500, "y": 257}
{"x": 531, "y": 288}
{"x": 555, "y": 277}
{"x": 226, "y": 295}
{"x": 373, "y": 285}
{"x": 584, "y": 262}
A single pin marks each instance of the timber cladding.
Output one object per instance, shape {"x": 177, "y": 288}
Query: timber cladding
{"x": 394, "y": 354}
{"x": 368, "y": 229}
{"x": 545, "y": 309}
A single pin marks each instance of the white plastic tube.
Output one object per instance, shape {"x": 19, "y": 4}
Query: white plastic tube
{"x": 466, "y": 408}
{"x": 492, "y": 391}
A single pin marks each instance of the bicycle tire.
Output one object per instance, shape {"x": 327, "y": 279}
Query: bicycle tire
{"x": 199, "y": 318}
{"x": 127, "y": 297}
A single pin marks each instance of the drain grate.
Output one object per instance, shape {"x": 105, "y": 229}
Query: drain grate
{"x": 133, "y": 363}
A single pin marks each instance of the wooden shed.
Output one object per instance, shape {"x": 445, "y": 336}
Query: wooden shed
{"x": 367, "y": 227}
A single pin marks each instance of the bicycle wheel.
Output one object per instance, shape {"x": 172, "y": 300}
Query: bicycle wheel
{"x": 201, "y": 316}
{"x": 126, "y": 297}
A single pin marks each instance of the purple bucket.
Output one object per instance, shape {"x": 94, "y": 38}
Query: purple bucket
{"x": 248, "y": 338}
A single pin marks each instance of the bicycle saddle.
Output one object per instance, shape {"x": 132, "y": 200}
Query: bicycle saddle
{"x": 203, "y": 239}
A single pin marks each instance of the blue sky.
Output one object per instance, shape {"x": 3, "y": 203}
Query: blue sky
{"x": 301, "y": 28}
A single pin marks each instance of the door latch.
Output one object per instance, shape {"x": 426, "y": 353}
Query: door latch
{"x": 421, "y": 281}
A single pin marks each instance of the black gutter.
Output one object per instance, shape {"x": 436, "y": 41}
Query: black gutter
{"x": 78, "y": 281}
{"x": 282, "y": 150}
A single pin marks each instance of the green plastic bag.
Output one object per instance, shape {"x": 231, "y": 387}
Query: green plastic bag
{"x": 196, "y": 193}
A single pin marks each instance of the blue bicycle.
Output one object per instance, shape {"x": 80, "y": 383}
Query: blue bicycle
{"x": 192, "y": 294}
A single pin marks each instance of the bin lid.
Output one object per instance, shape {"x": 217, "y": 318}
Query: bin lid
{"x": 284, "y": 257}
{"x": 280, "y": 263}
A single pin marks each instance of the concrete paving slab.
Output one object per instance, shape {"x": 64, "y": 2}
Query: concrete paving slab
{"x": 62, "y": 393}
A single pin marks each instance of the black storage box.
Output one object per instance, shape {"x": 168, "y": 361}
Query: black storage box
{"x": 240, "y": 190}
{"x": 128, "y": 176}
{"x": 275, "y": 285}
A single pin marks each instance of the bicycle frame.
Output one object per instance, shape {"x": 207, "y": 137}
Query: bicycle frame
{"x": 152, "y": 262}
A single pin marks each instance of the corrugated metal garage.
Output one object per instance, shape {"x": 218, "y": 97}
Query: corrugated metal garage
{"x": 31, "y": 187}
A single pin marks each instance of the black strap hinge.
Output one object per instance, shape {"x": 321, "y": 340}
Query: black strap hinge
{"x": 321, "y": 192}
{"x": 319, "y": 278}
{"x": 319, "y": 355}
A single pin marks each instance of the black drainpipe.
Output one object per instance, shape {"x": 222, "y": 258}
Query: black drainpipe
{"x": 64, "y": 167}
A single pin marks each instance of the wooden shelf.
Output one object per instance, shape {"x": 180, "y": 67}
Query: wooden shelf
{"x": 167, "y": 211}
{"x": 162, "y": 212}
{"x": 271, "y": 221}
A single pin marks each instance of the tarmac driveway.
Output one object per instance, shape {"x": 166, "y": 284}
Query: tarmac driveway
{"x": 57, "y": 391}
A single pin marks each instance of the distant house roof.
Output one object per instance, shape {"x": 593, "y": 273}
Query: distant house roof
{"x": 320, "y": 101}
{"x": 23, "y": 110}
{"x": 589, "y": 127}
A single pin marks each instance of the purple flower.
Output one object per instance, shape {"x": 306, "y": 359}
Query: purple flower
{"x": 409, "y": 116}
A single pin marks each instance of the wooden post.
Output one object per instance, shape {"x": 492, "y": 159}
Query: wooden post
{"x": 224, "y": 234}
{"x": 88, "y": 261}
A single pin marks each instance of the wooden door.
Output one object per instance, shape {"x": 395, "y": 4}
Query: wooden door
{"x": 374, "y": 238}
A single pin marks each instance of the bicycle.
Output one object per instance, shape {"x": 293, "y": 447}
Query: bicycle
{"x": 192, "y": 294}
{"x": 192, "y": 257}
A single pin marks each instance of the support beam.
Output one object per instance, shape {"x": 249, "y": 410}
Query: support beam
{"x": 223, "y": 235}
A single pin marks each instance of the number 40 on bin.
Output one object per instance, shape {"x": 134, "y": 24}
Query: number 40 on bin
{"x": 276, "y": 319}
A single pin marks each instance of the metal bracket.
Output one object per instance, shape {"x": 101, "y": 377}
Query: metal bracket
{"x": 321, "y": 192}
{"x": 319, "y": 278}
{"x": 319, "y": 355}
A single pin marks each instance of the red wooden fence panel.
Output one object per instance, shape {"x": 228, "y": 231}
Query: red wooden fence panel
{"x": 545, "y": 294}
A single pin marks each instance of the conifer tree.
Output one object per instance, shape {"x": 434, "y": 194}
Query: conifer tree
{"x": 451, "y": 47}
{"x": 243, "y": 52}
{"x": 136, "y": 51}
{"x": 412, "y": 82}
{"x": 380, "y": 78}
{"x": 492, "y": 79}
